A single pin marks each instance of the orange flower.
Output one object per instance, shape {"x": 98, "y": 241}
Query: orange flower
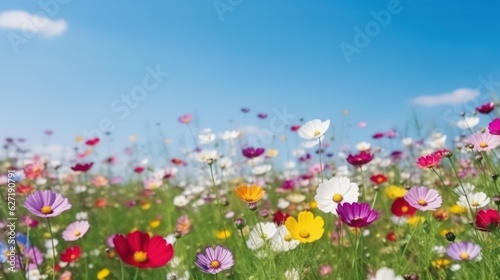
{"x": 250, "y": 193}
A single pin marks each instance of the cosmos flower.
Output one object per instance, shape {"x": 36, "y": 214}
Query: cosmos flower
{"x": 262, "y": 115}
{"x": 92, "y": 141}
{"x": 75, "y": 230}
{"x": 313, "y": 129}
{"x": 394, "y": 192}
{"x": 46, "y": 203}
{"x": 140, "y": 250}
{"x": 423, "y": 198}
{"x": 428, "y": 161}
{"x": 282, "y": 241}
{"x": 214, "y": 260}
{"x": 474, "y": 200}
{"x": 486, "y": 108}
{"x": 251, "y": 152}
{"x": 335, "y": 191}
{"x": 494, "y": 126}
{"x": 250, "y": 193}
{"x": 360, "y": 159}
{"x": 185, "y": 119}
{"x": 71, "y": 254}
{"x": 34, "y": 170}
{"x": 484, "y": 141}
{"x": 260, "y": 233}
{"x": 378, "y": 179}
{"x": 463, "y": 251}
{"x": 487, "y": 220}
{"x": 307, "y": 228}
{"x": 385, "y": 273}
{"x": 468, "y": 122}
{"x": 400, "y": 207}
{"x": 279, "y": 217}
{"x": 82, "y": 167}
{"x": 357, "y": 215}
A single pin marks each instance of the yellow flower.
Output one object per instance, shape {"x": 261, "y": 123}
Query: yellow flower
{"x": 222, "y": 234}
{"x": 307, "y": 229}
{"x": 441, "y": 263}
{"x": 272, "y": 153}
{"x": 394, "y": 192}
{"x": 103, "y": 273}
{"x": 250, "y": 193}
{"x": 456, "y": 209}
{"x": 146, "y": 206}
{"x": 313, "y": 204}
{"x": 413, "y": 221}
{"x": 443, "y": 232}
{"x": 154, "y": 223}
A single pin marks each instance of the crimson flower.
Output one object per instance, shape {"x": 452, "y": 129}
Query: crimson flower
{"x": 71, "y": 254}
{"x": 486, "y": 108}
{"x": 295, "y": 128}
{"x": 92, "y": 141}
{"x": 176, "y": 161}
{"x": 251, "y": 152}
{"x": 279, "y": 217}
{"x": 378, "y": 179}
{"x": 360, "y": 159}
{"x": 378, "y": 135}
{"x": 138, "y": 169}
{"x": 429, "y": 161}
{"x": 83, "y": 167}
{"x": 487, "y": 220}
{"x": 400, "y": 207}
{"x": 140, "y": 250}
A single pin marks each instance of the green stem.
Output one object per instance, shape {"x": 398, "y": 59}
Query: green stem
{"x": 53, "y": 250}
{"x": 219, "y": 205}
{"x": 411, "y": 236}
{"x": 136, "y": 273}
{"x": 121, "y": 270}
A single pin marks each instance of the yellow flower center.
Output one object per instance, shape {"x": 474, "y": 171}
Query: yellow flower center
{"x": 483, "y": 145}
{"x": 337, "y": 198}
{"x": 140, "y": 256}
{"x": 288, "y": 238}
{"x": 475, "y": 203}
{"x": 263, "y": 235}
{"x": 46, "y": 210}
{"x": 422, "y": 202}
{"x": 73, "y": 256}
{"x": 304, "y": 233}
{"x": 317, "y": 133}
{"x": 404, "y": 209}
{"x": 215, "y": 264}
{"x": 464, "y": 256}
{"x": 77, "y": 233}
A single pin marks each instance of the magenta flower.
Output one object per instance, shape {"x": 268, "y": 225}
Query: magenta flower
{"x": 262, "y": 115}
{"x": 484, "y": 141}
{"x": 357, "y": 215}
{"x": 360, "y": 159}
{"x": 185, "y": 119}
{"x": 428, "y": 161}
{"x": 494, "y": 126}
{"x": 75, "y": 230}
{"x": 251, "y": 152}
{"x": 46, "y": 203}
{"x": 463, "y": 251}
{"x": 486, "y": 108}
{"x": 214, "y": 260}
{"x": 423, "y": 198}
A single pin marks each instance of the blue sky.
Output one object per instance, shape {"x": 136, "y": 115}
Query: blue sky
{"x": 264, "y": 55}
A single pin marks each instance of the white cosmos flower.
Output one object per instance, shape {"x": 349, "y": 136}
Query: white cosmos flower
{"x": 229, "y": 135}
{"x": 282, "y": 241}
{"x": 204, "y": 155}
{"x": 468, "y": 122}
{"x": 206, "y": 137}
{"x": 407, "y": 142}
{"x": 334, "y": 191}
{"x": 313, "y": 129}
{"x": 289, "y": 164}
{"x": 283, "y": 203}
{"x": 82, "y": 216}
{"x": 473, "y": 200}
{"x": 464, "y": 189}
{"x": 261, "y": 169}
{"x": 385, "y": 273}
{"x": 312, "y": 143}
{"x": 437, "y": 141}
{"x": 260, "y": 233}
{"x": 292, "y": 274}
{"x": 225, "y": 162}
{"x": 180, "y": 201}
{"x": 398, "y": 220}
{"x": 363, "y": 146}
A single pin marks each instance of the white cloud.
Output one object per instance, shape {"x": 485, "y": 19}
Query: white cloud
{"x": 458, "y": 96}
{"x": 36, "y": 23}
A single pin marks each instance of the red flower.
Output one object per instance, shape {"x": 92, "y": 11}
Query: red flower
{"x": 92, "y": 141}
{"x": 391, "y": 236}
{"x": 279, "y": 217}
{"x": 294, "y": 128}
{"x": 429, "y": 161}
{"x": 83, "y": 167}
{"x": 25, "y": 189}
{"x": 378, "y": 179}
{"x": 400, "y": 207}
{"x": 176, "y": 161}
{"x": 486, "y": 108}
{"x": 138, "y": 249}
{"x": 487, "y": 220}
{"x": 360, "y": 159}
{"x": 138, "y": 169}
{"x": 101, "y": 203}
{"x": 71, "y": 254}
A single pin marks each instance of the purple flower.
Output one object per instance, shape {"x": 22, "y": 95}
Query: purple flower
{"x": 494, "y": 126}
{"x": 423, "y": 198}
{"x": 262, "y": 115}
{"x": 34, "y": 256}
{"x": 214, "y": 260}
{"x": 357, "y": 215}
{"x": 251, "y": 152}
{"x": 46, "y": 203}
{"x": 463, "y": 251}
{"x": 75, "y": 230}
{"x": 245, "y": 110}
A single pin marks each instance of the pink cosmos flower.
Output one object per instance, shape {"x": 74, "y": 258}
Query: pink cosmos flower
{"x": 423, "y": 198}
{"x": 34, "y": 170}
{"x": 186, "y": 118}
{"x": 484, "y": 141}
{"x": 46, "y": 203}
{"x": 357, "y": 215}
{"x": 463, "y": 251}
{"x": 75, "y": 230}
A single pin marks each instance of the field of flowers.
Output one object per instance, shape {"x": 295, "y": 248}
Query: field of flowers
{"x": 392, "y": 207}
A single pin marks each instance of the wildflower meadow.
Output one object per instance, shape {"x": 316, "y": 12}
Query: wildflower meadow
{"x": 393, "y": 207}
